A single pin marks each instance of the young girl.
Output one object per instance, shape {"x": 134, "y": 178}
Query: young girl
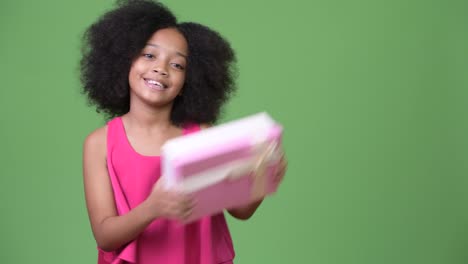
{"x": 155, "y": 80}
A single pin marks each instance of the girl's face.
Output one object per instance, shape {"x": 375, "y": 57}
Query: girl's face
{"x": 157, "y": 75}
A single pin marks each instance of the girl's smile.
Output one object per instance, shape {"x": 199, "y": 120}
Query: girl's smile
{"x": 156, "y": 85}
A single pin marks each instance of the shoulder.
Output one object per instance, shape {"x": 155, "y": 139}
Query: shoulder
{"x": 96, "y": 140}
{"x": 97, "y": 136}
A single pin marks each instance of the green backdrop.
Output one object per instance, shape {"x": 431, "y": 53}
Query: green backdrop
{"x": 372, "y": 93}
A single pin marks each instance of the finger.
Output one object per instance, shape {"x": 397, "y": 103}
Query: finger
{"x": 280, "y": 174}
{"x": 283, "y": 163}
{"x": 185, "y": 199}
{"x": 183, "y": 213}
{"x": 281, "y": 151}
{"x": 191, "y": 204}
{"x": 186, "y": 206}
{"x": 187, "y": 214}
{"x": 278, "y": 179}
{"x": 283, "y": 158}
{"x": 183, "y": 205}
{"x": 178, "y": 212}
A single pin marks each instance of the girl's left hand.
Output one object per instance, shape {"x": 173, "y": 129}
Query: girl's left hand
{"x": 281, "y": 170}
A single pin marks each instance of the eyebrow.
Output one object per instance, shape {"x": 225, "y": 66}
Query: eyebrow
{"x": 157, "y": 46}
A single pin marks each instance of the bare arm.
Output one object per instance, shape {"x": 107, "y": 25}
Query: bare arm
{"x": 110, "y": 230}
{"x": 245, "y": 212}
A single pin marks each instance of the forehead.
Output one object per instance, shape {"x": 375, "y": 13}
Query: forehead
{"x": 169, "y": 39}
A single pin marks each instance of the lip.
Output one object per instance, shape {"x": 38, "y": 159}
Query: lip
{"x": 155, "y": 84}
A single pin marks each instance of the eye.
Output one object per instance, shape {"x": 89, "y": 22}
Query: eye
{"x": 178, "y": 66}
{"x": 148, "y": 55}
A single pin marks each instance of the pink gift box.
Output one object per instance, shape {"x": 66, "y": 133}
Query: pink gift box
{"x": 225, "y": 166}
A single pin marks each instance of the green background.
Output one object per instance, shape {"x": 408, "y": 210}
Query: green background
{"x": 373, "y": 96}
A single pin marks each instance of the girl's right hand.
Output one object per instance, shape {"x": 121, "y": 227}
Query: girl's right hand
{"x": 169, "y": 204}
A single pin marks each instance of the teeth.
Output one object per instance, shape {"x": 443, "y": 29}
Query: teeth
{"x": 156, "y": 83}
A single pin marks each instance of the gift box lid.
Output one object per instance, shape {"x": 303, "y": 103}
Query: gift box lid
{"x": 255, "y": 127}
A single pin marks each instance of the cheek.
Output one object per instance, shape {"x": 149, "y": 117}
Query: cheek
{"x": 136, "y": 72}
{"x": 183, "y": 78}
{"x": 134, "y": 76}
{"x": 132, "y": 73}
{"x": 180, "y": 79}
{"x": 137, "y": 67}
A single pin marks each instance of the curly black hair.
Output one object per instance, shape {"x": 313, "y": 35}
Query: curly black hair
{"x": 210, "y": 77}
{"x": 112, "y": 43}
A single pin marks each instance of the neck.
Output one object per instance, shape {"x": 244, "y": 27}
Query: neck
{"x": 147, "y": 117}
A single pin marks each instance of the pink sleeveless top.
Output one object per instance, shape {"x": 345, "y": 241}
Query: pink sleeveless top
{"x": 206, "y": 241}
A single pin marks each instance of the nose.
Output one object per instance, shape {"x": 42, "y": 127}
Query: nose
{"x": 158, "y": 68}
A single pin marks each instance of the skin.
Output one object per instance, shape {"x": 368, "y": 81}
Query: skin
{"x": 148, "y": 127}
